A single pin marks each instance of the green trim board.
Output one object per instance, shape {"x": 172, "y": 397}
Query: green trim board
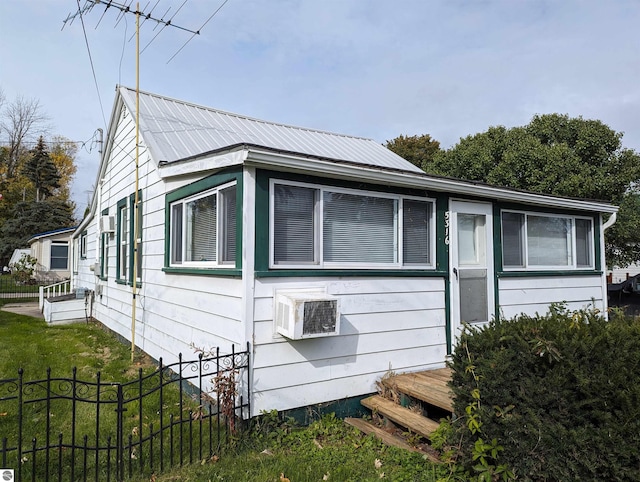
{"x": 231, "y": 272}
{"x": 389, "y": 273}
{"x": 204, "y": 184}
{"x": 120, "y": 205}
{"x": 262, "y": 211}
{"x": 442, "y": 260}
{"x": 135, "y": 213}
{"x": 83, "y": 245}
{"x": 548, "y": 273}
{"x": 104, "y": 240}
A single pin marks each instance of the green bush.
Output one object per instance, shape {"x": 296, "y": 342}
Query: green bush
{"x": 560, "y": 394}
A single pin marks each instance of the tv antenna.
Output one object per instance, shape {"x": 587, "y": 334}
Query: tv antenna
{"x": 126, "y": 9}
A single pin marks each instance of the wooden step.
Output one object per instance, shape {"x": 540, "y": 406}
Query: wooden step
{"x": 435, "y": 393}
{"x": 400, "y": 415}
{"x": 386, "y": 437}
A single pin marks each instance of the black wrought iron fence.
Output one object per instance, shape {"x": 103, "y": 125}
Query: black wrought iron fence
{"x": 13, "y": 288}
{"x": 67, "y": 429}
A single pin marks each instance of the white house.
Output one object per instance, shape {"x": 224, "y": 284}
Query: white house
{"x": 335, "y": 259}
{"x": 51, "y": 249}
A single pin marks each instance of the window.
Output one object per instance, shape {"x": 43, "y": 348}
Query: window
{"x": 203, "y": 229}
{"x": 136, "y": 218}
{"x": 59, "y": 255}
{"x": 104, "y": 251}
{"x": 328, "y": 227}
{"x": 83, "y": 245}
{"x": 542, "y": 241}
{"x": 122, "y": 254}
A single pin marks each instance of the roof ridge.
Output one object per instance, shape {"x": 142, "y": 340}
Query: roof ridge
{"x": 245, "y": 117}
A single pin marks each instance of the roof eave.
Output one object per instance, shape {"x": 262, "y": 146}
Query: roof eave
{"x": 267, "y": 159}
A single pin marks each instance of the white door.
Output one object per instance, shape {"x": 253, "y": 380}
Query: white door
{"x": 471, "y": 264}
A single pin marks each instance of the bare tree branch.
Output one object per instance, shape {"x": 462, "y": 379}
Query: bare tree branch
{"x": 22, "y": 121}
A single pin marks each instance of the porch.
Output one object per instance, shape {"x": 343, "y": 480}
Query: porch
{"x": 409, "y": 403}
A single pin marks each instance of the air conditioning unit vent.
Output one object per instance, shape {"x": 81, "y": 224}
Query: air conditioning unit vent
{"x": 107, "y": 224}
{"x": 301, "y": 315}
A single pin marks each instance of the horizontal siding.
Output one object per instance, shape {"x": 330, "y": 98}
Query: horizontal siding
{"x": 386, "y": 324}
{"x": 174, "y": 312}
{"x": 534, "y": 295}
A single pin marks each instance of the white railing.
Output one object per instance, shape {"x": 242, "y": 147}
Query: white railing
{"x": 51, "y": 291}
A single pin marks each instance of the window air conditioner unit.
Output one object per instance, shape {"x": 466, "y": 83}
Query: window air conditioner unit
{"x": 301, "y": 315}
{"x": 107, "y": 224}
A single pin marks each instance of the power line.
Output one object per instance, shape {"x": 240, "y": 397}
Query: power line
{"x": 93, "y": 70}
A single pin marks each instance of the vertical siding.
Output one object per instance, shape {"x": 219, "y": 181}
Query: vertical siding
{"x": 534, "y": 295}
{"x": 386, "y": 324}
{"x": 173, "y": 311}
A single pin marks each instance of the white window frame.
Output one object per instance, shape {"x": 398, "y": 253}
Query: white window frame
{"x": 572, "y": 264}
{"x": 220, "y": 230}
{"x": 51, "y": 257}
{"x": 83, "y": 245}
{"x": 319, "y": 262}
{"x": 123, "y": 247}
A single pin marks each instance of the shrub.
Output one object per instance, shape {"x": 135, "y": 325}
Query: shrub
{"x": 559, "y": 394}
{"x": 23, "y": 268}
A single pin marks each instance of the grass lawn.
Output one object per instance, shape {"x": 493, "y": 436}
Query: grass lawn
{"x": 327, "y": 450}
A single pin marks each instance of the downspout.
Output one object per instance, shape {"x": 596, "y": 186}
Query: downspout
{"x": 610, "y": 222}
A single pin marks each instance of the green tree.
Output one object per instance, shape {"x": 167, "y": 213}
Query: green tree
{"x": 558, "y": 155}
{"x": 418, "y": 150}
{"x": 29, "y": 218}
{"x": 41, "y": 171}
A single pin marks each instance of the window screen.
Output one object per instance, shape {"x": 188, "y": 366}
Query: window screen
{"x": 549, "y": 241}
{"x": 359, "y": 229}
{"x": 201, "y": 229}
{"x": 584, "y": 238}
{"x": 293, "y": 224}
{"x": 512, "y": 239}
{"x": 416, "y": 216}
{"x": 59, "y": 256}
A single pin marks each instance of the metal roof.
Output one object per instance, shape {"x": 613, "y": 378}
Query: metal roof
{"x": 175, "y": 130}
{"x": 50, "y": 233}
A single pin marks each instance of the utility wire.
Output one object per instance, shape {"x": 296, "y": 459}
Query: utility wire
{"x": 93, "y": 70}
{"x": 198, "y": 31}
{"x": 166, "y": 24}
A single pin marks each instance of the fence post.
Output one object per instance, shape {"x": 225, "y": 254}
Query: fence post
{"x": 120, "y": 435}
{"x": 41, "y": 297}
{"x": 20, "y": 387}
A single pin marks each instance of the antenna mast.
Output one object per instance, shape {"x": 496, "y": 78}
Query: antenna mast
{"x": 136, "y": 211}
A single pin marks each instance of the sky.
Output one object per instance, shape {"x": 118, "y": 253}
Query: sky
{"x": 370, "y": 68}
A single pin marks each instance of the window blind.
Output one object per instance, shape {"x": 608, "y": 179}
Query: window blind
{"x": 416, "y": 216}
{"x": 293, "y": 224}
{"x": 201, "y": 229}
{"x": 359, "y": 229}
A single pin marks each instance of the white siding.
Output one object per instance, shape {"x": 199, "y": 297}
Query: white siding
{"x": 533, "y": 295}
{"x": 173, "y": 311}
{"x": 619, "y": 275}
{"x": 386, "y": 324}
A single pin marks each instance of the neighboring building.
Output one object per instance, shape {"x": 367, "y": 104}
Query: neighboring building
{"x": 17, "y": 255}
{"x": 261, "y": 233}
{"x": 618, "y": 275}
{"x": 51, "y": 249}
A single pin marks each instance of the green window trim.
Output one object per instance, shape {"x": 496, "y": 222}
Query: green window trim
{"x": 83, "y": 245}
{"x": 210, "y": 182}
{"x": 499, "y": 208}
{"x": 121, "y": 207}
{"x": 135, "y": 214}
{"x": 104, "y": 251}
{"x": 263, "y": 266}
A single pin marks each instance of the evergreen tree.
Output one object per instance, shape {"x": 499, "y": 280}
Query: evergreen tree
{"x": 41, "y": 171}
